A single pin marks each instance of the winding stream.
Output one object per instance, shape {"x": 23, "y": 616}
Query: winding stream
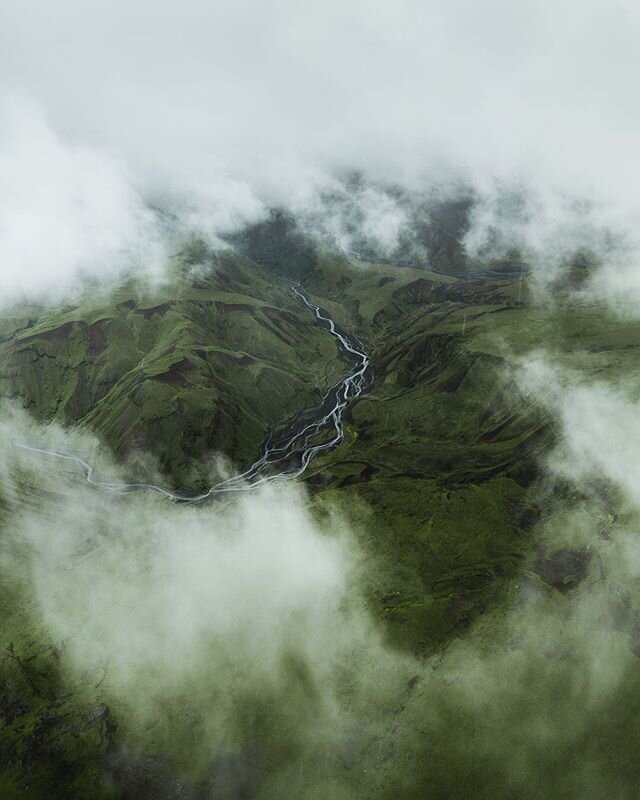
{"x": 286, "y": 454}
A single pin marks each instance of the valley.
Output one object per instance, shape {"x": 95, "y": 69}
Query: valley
{"x": 438, "y": 470}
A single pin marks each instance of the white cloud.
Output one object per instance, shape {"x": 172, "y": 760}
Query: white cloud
{"x": 155, "y": 593}
{"x": 66, "y": 211}
{"x": 599, "y": 425}
{"x": 228, "y": 107}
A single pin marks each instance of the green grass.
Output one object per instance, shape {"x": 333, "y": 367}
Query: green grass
{"x": 181, "y": 371}
{"x": 438, "y": 476}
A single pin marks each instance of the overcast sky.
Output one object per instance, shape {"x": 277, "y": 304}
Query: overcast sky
{"x": 228, "y": 105}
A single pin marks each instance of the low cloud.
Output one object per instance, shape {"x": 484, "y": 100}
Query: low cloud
{"x": 534, "y": 699}
{"x": 599, "y": 425}
{"x": 243, "y": 620}
{"x": 205, "y": 616}
{"x": 67, "y": 212}
{"x": 218, "y": 113}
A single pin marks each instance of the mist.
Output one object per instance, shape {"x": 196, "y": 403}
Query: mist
{"x": 152, "y": 582}
{"x": 240, "y": 629}
{"x": 236, "y": 624}
{"x": 245, "y": 624}
{"x": 221, "y": 112}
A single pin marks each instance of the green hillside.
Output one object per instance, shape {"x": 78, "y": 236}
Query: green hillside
{"x": 440, "y": 476}
{"x": 182, "y": 371}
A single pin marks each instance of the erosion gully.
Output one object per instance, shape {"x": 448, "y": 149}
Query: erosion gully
{"x": 287, "y": 451}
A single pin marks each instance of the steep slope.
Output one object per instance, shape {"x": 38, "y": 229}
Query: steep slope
{"x": 439, "y": 474}
{"x": 206, "y": 365}
{"x": 445, "y": 449}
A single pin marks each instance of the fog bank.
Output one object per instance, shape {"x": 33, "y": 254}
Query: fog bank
{"x": 219, "y": 112}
